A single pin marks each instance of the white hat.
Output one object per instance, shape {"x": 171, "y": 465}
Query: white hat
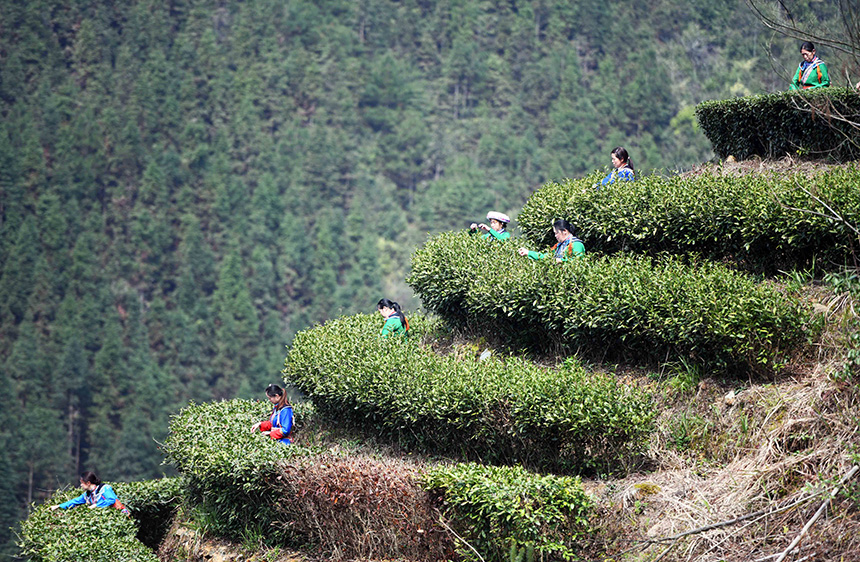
{"x": 501, "y": 217}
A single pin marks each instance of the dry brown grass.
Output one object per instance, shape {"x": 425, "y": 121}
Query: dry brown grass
{"x": 758, "y": 166}
{"x": 360, "y": 506}
{"x": 771, "y": 447}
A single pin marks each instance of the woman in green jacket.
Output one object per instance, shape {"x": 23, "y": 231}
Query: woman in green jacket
{"x": 496, "y": 230}
{"x": 566, "y": 247}
{"x": 812, "y": 72}
{"x": 395, "y": 320}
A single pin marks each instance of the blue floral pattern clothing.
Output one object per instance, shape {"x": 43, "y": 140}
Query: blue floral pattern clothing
{"x": 563, "y": 251}
{"x": 624, "y": 173}
{"x": 279, "y": 425}
{"x": 102, "y": 496}
{"x": 283, "y": 419}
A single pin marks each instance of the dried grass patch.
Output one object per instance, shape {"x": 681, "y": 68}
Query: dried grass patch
{"x": 800, "y": 434}
{"x": 358, "y": 506}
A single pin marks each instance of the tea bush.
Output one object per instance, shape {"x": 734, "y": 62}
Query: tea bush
{"x": 66, "y": 535}
{"x": 153, "y": 504}
{"x": 226, "y": 466}
{"x": 504, "y": 510}
{"x": 72, "y": 535}
{"x": 773, "y": 125}
{"x": 244, "y": 486}
{"x": 702, "y": 312}
{"x": 498, "y": 410}
{"x": 754, "y": 221}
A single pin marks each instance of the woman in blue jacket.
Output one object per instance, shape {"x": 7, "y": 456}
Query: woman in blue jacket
{"x": 280, "y": 423}
{"x": 622, "y": 168}
{"x": 96, "y": 494}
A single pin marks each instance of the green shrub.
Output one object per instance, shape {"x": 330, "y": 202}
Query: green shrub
{"x": 153, "y": 504}
{"x": 774, "y": 125}
{"x": 227, "y": 466}
{"x": 500, "y": 411}
{"x": 668, "y": 307}
{"x": 754, "y": 221}
{"x": 72, "y": 535}
{"x": 500, "y": 510}
{"x": 243, "y": 485}
{"x": 66, "y": 535}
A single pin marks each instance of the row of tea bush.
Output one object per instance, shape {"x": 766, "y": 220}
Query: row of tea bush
{"x": 507, "y": 510}
{"x": 661, "y": 308}
{"x": 242, "y": 484}
{"x": 818, "y": 122}
{"x": 499, "y": 410}
{"x": 102, "y": 535}
{"x": 762, "y": 223}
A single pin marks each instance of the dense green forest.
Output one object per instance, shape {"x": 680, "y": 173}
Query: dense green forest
{"x": 186, "y": 184}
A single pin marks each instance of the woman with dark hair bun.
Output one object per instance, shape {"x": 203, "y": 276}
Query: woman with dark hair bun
{"x": 96, "y": 494}
{"x": 812, "y": 72}
{"x": 567, "y": 245}
{"x": 622, "y": 168}
{"x": 279, "y": 426}
{"x": 395, "y": 320}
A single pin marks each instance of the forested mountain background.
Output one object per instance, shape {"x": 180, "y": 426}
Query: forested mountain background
{"x": 185, "y": 184}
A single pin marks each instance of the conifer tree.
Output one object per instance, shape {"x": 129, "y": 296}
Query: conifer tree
{"x": 16, "y": 281}
{"x": 236, "y": 326}
{"x": 109, "y": 394}
{"x": 10, "y": 486}
{"x": 40, "y": 449}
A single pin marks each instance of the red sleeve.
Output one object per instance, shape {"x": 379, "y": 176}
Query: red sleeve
{"x": 266, "y": 426}
{"x": 277, "y": 433}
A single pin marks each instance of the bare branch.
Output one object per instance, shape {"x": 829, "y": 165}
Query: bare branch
{"x": 453, "y": 532}
{"x": 818, "y": 513}
{"x": 769, "y": 511}
{"x": 795, "y": 31}
{"x": 834, "y": 215}
{"x": 673, "y": 540}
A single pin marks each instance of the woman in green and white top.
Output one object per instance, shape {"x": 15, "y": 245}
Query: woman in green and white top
{"x": 496, "y": 230}
{"x": 567, "y": 245}
{"x": 395, "y": 320}
{"x": 812, "y": 72}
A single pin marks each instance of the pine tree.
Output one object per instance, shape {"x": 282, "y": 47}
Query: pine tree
{"x": 10, "y": 486}
{"x": 41, "y": 453}
{"x": 108, "y": 392}
{"x": 16, "y": 282}
{"x": 236, "y": 326}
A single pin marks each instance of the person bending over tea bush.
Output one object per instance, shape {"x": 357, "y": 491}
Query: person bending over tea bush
{"x": 279, "y": 426}
{"x": 567, "y": 246}
{"x": 497, "y": 230}
{"x": 96, "y": 494}
{"x": 395, "y": 320}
